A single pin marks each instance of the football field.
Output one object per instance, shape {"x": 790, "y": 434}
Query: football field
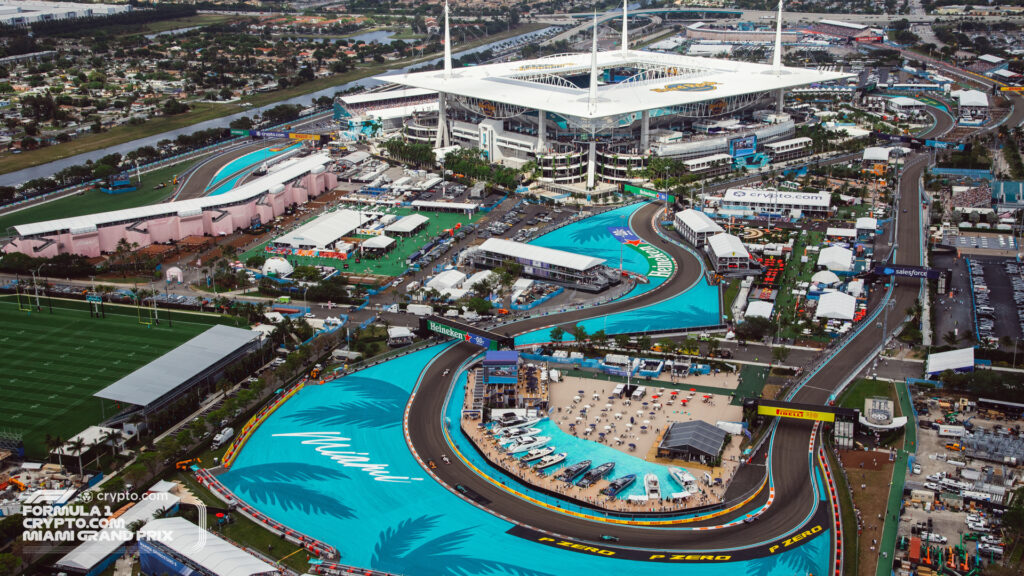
{"x": 54, "y": 362}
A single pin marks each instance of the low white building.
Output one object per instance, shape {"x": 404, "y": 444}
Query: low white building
{"x": 728, "y": 256}
{"x": 905, "y": 105}
{"x": 696, "y": 227}
{"x": 759, "y": 309}
{"x": 446, "y": 280}
{"x": 760, "y": 201}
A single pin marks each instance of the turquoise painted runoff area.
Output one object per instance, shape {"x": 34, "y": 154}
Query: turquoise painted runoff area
{"x": 698, "y": 306}
{"x": 249, "y": 160}
{"x": 332, "y": 462}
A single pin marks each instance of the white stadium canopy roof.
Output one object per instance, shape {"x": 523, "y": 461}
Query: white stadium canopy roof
{"x": 697, "y": 80}
{"x": 540, "y": 254}
{"x": 370, "y": 97}
{"x": 290, "y": 169}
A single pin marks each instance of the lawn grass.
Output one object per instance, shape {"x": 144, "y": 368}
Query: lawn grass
{"x": 751, "y": 384}
{"x": 729, "y": 295}
{"x": 864, "y": 388}
{"x": 93, "y": 201}
{"x": 54, "y": 363}
{"x": 391, "y": 264}
{"x": 203, "y": 111}
{"x": 165, "y": 25}
{"x": 246, "y": 532}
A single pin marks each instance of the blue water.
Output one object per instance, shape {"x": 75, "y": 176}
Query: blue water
{"x": 249, "y": 160}
{"x": 401, "y": 520}
{"x": 698, "y": 306}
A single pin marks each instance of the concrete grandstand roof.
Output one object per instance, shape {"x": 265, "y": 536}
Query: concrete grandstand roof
{"x": 540, "y": 254}
{"x": 699, "y": 80}
{"x": 163, "y": 375}
{"x": 290, "y": 169}
{"x": 215, "y": 555}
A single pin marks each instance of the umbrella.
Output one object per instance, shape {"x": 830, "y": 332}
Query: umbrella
{"x": 707, "y": 395}
{"x": 646, "y": 403}
{"x": 579, "y": 419}
{"x": 576, "y": 398}
{"x": 630, "y": 420}
{"x": 572, "y": 424}
{"x": 607, "y": 427}
{"x": 618, "y": 414}
{"x": 646, "y": 422}
{"x": 617, "y": 439}
{"x": 639, "y": 412}
{"x": 607, "y": 405}
{"x": 586, "y": 406}
{"x": 693, "y": 389}
{"x": 580, "y": 391}
{"x": 633, "y": 446}
{"x": 601, "y": 434}
{"x": 643, "y": 427}
{"x": 655, "y": 396}
{"x": 674, "y": 392}
{"x": 611, "y": 397}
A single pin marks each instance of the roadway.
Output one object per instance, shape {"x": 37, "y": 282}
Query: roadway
{"x": 791, "y": 474}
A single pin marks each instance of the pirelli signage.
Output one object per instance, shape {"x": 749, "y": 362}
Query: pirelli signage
{"x": 795, "y": 413}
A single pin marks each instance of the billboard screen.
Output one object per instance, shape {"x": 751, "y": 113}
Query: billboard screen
{"x": 745, "y": 146}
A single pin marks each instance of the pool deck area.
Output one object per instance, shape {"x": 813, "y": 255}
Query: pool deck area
{"x": 637, "y": 441}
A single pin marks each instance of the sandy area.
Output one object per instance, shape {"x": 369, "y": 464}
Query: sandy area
{"x": 728, "y": 381}
{"x": 626, "y": 418}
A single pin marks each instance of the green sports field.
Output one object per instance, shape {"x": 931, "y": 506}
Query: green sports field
{"x": 54, "y": 363}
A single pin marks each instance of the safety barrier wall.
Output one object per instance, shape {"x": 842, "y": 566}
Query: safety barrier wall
{"x": 837, "y": 537}
{"x": 254, "y": 423}
{"x": 312, "y": 545}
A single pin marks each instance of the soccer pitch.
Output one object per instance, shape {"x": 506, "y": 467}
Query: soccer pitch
{"x": 54, "y": 363}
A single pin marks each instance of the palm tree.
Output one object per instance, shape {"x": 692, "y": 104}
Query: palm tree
{"x": 557, "y": 333}
{"x": 113, "y": 437}
{"x": 77, "y": 445}
{"x": 55, "y": 443}
{"x": 579, "y": 333}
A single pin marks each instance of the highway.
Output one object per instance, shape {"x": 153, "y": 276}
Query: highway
{"x": 794, "y": 500}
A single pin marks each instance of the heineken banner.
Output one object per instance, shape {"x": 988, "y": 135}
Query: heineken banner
{"x": 457, "y": 334}
{"x": 647, "y": 193}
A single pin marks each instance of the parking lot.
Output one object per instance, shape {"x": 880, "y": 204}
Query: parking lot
{"x": 998, "y": 295}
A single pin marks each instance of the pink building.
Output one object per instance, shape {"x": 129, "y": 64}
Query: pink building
{"x": 259, "y": 201}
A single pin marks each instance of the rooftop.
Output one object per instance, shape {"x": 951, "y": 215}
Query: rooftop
{"x": 727, "y": 246}
{"x": 407, "y": 223}
{"x": 161, "y": 376}
{"x": 327, "y": 229}
{"x": 215, "y": 555}
{"x": 542, "y": 84}
{"x": 698, "y": 221}
{"x": 291, "y": 169}
{"x": 540, "y": 254}
{"x": 694, "y": 434}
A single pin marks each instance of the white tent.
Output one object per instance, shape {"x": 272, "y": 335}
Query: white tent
{"x": 866, "y": 223}
{"x": 759, "y": 309}
{"x": 876, "y": 154}
{"x": 836, "y": 305}
{"x": 174, "y": 274}
{"x": 855, "y": 288}
{"x": 447, "y": 279}
{"x": 836, "y": 258}
{"x": 826, "y": 277}
{"x": 277, "y": 266}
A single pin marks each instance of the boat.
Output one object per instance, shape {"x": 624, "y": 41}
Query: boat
{"x": 517, "y": 423}
{"x": 537, "y": 453}
{"x": 686, "y": 480}
{"x": 596, "y": 474}
{"x": 532, "y": 442}
{"x": 618, "y": 485}
{"x": 550, "y": 460}
{"x": 571, "y": 472}
{"x": 652, "y": 486}
{"x": 520, "y": 433}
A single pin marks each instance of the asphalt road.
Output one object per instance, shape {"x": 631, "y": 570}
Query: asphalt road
{"x": 790, "y": 464}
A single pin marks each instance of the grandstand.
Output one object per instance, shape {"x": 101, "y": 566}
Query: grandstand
{"x": 588, "y": 117}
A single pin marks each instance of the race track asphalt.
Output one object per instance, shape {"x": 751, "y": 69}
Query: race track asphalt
{"x": 793, "y": 504}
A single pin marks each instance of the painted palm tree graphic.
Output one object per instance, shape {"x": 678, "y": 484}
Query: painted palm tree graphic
{"x": 382, "y": 407}
{"x": 278, "y": 484}
{"x": 806, "y": 559}
{"x": 395, "y": 552}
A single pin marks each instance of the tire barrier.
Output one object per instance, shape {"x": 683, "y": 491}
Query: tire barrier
{"x": 312, "y": 545}
{"x": 254, "y": 423}
{"x": 837, "y": 537}
{"x": 334, "y": 569}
